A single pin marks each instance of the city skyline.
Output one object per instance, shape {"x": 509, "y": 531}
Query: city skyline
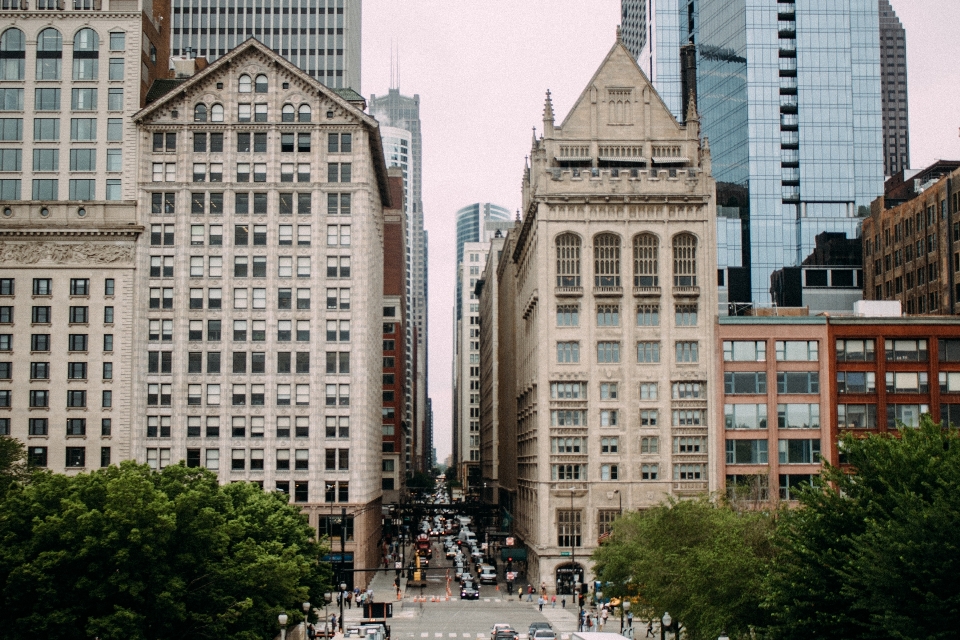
{"x": 556, "y": 46}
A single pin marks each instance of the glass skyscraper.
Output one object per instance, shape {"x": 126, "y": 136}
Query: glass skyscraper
{"x": 322, "y": 37}
{"x": 479, "y": 222}
{"x": 789, "y": 97}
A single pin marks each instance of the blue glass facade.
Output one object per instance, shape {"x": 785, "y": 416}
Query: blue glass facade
{"x": 479, "y": 222}
{"x": 789, "y": 96}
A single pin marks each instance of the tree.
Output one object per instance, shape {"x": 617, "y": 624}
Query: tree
{"x": 125, "y": 552}
{"x": 701, "y": 561}
{"x": 874, "y": 549}
{"x": 13, "y": 466}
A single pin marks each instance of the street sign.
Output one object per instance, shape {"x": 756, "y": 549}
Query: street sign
{"x": 564, "y": 553}
{"x": 509, "y": 542}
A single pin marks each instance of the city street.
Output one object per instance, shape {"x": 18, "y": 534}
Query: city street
{"x": 428, "y": 612}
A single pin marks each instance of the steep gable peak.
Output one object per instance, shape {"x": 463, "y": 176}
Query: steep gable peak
{"x": 619, "y": 103}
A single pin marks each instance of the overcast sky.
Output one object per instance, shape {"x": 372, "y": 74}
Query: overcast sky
{"x": 482, "y": 69}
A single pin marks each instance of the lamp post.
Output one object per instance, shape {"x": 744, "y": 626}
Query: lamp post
{"x": 624, "y": 608}
{"x": 327, "y": 599}
{"x": 282, "y": 619}
{"x": 343, "y": 591}
{"x": 666, "y": 622}
{"x": 619, "y": 495}
{"x": 306, "y": 618}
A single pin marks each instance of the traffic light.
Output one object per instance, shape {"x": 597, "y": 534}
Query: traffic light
{"x": 580, "y": 600}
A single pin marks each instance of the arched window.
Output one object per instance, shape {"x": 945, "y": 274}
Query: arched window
{"x": 49, "y": 54}
{"x": 86, "y": 54}
{"x": 606, "y": 260}
{"x": 646, "y": 250}
{"x": 246, "y": 86}
{"x": 684, "y": 260}
{"x": 200, "y": 113}
{"x": 216, "y": 113}
{"x": 304, "y": 113}
{"x": 568, "y": 260}
{"x": 12, "y": 54}
{"x": 261, "y": 84}
{"x": 287, "y": 113}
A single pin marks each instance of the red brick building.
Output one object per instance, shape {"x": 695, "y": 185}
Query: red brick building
{"x": 395, "y": 430}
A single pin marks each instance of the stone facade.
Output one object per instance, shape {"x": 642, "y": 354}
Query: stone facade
{"x": 259, "y": 318}
{"x": 70, "y": 82}
{"x": 614, "y": 322}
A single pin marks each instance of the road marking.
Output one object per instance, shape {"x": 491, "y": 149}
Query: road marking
{"x": 486, "y": 599}
{"x": 424, "y": 634}
{"x": 438, "y": 635}
{"x": 453, "y": 635}
{"x": 466, "y": 635}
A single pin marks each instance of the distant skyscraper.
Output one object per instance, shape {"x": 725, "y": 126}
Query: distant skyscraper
{"x": 322, "y": 37}
{"x": 399, "y": 118}
{"x": 893, "y": 91}
{"x": 789, "y": 163}
{"x": 478, "y": 222}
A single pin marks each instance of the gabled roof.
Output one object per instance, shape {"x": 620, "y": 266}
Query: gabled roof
{"x": 253, "y": 46}
{"x": 618, "y": 51}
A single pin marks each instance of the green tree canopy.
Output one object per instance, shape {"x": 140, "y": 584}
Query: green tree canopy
{"x": 13, "y": 466}
{"x": 128, "y": 553}
{"x": 701, "y": 561}
{"x": 879, "y": 557}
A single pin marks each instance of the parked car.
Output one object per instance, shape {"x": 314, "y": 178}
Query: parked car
{"x": 544, "y": 634}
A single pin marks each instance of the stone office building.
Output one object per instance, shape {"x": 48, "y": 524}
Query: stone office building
{"x": 613, "y": 269}
{"x": 71, "y": 77}
{"x": 260, "y": 314}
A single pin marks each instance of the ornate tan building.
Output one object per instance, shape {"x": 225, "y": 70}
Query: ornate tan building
{"x": 71, "y": 77}
{"x": 260, "y": 310}
{"x": 614, "y": 273}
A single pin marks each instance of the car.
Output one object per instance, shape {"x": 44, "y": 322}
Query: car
{"x": 451, "y": 553}
{"x": 500, "y": 626}
{"x": 535, "y": 626}
{"x": 488, "y": 575}
{"x": 506, "y": 635}
{"x": 469, "y": 592}
{"x": 544, "y": 634}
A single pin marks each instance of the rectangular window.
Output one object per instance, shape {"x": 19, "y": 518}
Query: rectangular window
{"x": 747, "y": 382}
{"x": 745, "y": 416}
{"x": 747, "y": 452}
{"x": 568, "y": 418}
{"x": 608, "y": 352}
{"x": 855, "y": 351}
{"x": 649, "y": 471}
{"x": 744, "y": 351}
{"x": 568, "y": 390}
{"x": 857, "y": 416}
{"x": 798, "y": 382}
{"x": 906, "y": 350}
{"x": 799, "y": 451}
{"x": 798, "y": 416}
{"x": 608, "y": 390}
{"x": 906, "y": 414}
{"x": 608, "y": 316}
{"x": 687, "y": 352}
{"x": 797, "y": 350}
{"x": 856, "y": 382}
{"x": 568, "y": 352}
{"x": 686, "y": 315}
{"x": 568, "y": 315}
{"x": 648, "y": 352}
{"x": 690, "y": 472}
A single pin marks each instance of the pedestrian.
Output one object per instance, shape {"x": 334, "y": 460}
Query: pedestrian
{"x": 563, "y": 601}
{"x": 543, "y": 588}
{"x": 333, "y": 622}
{"x": 553, "y": 602}
{"x": 649, "y": 629}
{"x": 603, "y": 617}
{"x": 520, "y": 594}
{"x": 540, "y": 604}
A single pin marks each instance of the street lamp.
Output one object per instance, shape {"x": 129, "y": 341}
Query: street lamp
{"x": 327, "y": 599}
{"x": 666, "y": 622}
{"x": 619, "y": 495}
{"x": 624, "y": 608}
{"x": 282, "y": 619}
{"x": 723, "y": 636}
{"x": 306, "y": 618}
{"x": 343, "y": 591}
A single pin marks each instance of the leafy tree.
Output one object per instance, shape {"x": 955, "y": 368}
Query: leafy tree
{"x": 421, "y": 480}
{"x": 13, "y": 466}
{"x": 702, "y": 561}
{"x": 877, "y": 553}
{"x": 128, "y": 553}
